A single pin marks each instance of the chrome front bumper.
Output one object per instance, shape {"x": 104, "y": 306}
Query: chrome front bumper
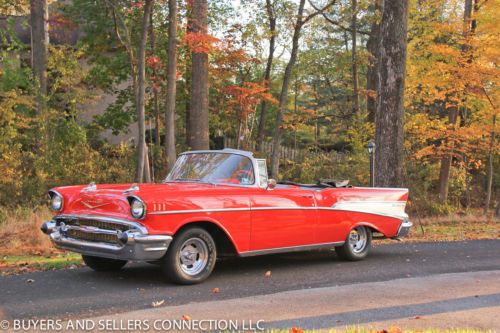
{"x": 134, "y": 243}
{"x": 404, "y": 228}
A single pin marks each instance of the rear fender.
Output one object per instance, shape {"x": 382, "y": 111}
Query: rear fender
{"x": 369, "y": 225}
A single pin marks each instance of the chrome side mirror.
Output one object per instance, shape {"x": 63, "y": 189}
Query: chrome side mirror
{"x": 271, "y": 183}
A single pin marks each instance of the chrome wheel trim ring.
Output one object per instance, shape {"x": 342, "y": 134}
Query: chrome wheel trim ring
{"x": 193, "y": 256}
{"x": 358, "y": 239}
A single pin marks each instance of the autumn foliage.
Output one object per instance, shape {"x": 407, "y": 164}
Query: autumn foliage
{"x": 451, "y": 96}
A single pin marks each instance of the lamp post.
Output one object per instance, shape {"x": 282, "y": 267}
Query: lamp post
{"x": 371, "y": 152}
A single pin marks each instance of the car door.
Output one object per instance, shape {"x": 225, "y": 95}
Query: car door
{"x": 284, "y": 216}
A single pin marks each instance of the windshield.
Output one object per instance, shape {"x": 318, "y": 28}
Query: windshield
{"x": 219, "y": 168}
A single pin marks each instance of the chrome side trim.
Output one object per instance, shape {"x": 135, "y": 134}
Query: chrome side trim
{"x": 290, "y": 249}
{"x": 400, "y": 216}
{"x": 187, "y": 211}
{"x": 216, "y": 210}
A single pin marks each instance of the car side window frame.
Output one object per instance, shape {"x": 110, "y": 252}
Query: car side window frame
{"x": 262, "y": 172}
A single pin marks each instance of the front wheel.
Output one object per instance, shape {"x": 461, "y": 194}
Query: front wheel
{"x": 190, "y": 257}
{"x": 357, "y": 244}
{"x": 103, "y": 264}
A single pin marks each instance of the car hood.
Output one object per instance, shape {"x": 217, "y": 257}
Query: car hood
{"x": 112, "y": 199}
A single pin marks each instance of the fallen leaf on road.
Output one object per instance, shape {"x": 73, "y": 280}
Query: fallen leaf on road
{"x": 186, "y": 317}
{"x": 216, "y": 290}
{"x": 30, "y": 280}
{"x": 140, "y": 290}
{"x": 296, "y": 330}
{"x": 157, "y": 304}
{"x": 268, "y": 274}
{"x": 418, "y": 317}
{"x": 395, "y": 329}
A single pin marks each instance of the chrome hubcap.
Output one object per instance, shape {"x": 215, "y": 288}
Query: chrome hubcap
{"x": 358, "y": 239}
{"x": 193, "y": 256}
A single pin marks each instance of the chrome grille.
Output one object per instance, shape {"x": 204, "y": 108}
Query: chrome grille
{"x": 95, "y": 223}
{"x": 92, "y": 237}
{"x": 97, "y": 231}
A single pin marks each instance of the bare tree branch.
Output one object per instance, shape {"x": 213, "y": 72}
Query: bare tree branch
{"x": 127, "y": 43}
{"x": 317, "y": 11}
{"x": 333, "y": 22}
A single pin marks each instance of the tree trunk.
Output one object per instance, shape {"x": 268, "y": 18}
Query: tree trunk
{"x": 267, "y": 75}
{"x": 39, "y": 47}
{"x": 198, "y": 113}
{"x": 170, "y": 152}
{"x": 141, "y": 91}
{"x": 355, "y": 80}
{"x": 490, "y": 167}
{"x": 389, "y": 136}
{"x": 444, "y": 172}
{"x": 156, "y": 103}
{"x": 371, "y": 73}
{"x": 497, "y": 211}
{"x": 275, "y": 158}
{"x": 147, "y": 170}
{"x": 187, "y": 93}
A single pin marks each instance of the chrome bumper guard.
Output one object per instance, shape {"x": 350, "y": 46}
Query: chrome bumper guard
{"x": 404, "y": 228}
{"x": 132, "y": 244}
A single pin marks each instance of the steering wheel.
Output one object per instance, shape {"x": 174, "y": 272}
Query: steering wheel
{"x": 243, "y": 174}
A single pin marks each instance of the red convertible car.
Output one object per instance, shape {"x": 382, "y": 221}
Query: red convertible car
{"x": 218, "y": 202}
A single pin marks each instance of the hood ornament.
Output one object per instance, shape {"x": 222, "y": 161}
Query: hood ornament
{"x": 93, "y": 205}
{"x": 133, "y": 187}
{"x": 90, "y": 187}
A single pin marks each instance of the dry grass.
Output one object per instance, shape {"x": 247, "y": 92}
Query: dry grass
{"x": 20, "y": 233}
{"x": 455, "y": 227}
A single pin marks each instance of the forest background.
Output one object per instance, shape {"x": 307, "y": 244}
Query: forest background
{"x": 297, "y": 82}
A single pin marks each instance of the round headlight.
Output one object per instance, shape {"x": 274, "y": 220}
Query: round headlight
{"x": 56, "y": 201}
{"x": 137, "y": 208}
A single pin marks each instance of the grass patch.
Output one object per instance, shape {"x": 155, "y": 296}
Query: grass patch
{"x": 16, "y": 264}
{"x": 21, "y": 235}
{"x": 455, "y": 227}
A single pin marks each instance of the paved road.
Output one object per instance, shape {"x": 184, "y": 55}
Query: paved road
{"x": 82, "y": 292}
{"x": 469, "y": 300}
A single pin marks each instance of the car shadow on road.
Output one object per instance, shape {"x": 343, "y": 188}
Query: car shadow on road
{"x": 237, "y": 268}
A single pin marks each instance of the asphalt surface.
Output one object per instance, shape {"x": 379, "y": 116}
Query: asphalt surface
{"x": 85, "y": 293}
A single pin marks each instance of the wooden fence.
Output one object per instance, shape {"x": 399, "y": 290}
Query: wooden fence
{"x": 289, "y": 153}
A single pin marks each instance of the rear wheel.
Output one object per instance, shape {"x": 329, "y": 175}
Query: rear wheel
{"x": 190, "y": 257}
{"x": 103, "y": 264}
{"x": 357, "y": 244}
